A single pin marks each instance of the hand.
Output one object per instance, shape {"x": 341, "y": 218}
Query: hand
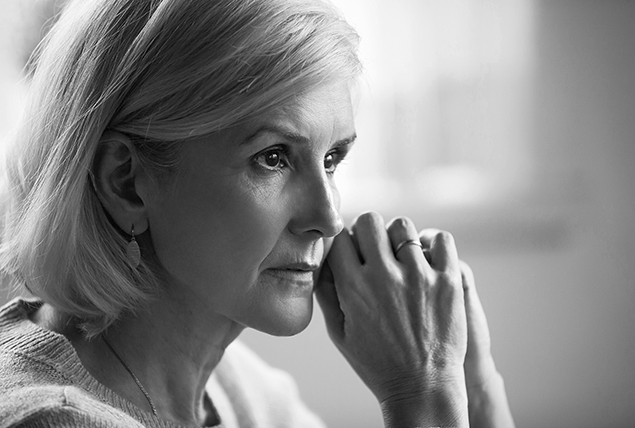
{"x": 479, "y": 364}
{"x": 399, "y": 320}
{"x": 488, "y": 406}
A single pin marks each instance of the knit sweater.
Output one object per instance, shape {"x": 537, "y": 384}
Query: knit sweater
{"x": 44, "y": 384}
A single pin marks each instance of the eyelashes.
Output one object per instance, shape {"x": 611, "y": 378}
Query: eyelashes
{"x": 273, "y": 159}
{"x": 334, "y": 158}
{"x": 278, "y": 159}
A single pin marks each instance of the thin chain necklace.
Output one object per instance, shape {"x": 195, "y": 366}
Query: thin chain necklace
{"x": 137, "y": 381}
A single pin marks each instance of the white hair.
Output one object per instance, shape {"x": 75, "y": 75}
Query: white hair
{"x": 160, "y": 72}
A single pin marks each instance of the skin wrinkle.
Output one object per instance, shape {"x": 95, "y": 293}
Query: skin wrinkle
{"x": 259, "y": 191}
{"x": 212, "y": 232}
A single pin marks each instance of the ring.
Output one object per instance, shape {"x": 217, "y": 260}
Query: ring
{"x": 408, "y": 242}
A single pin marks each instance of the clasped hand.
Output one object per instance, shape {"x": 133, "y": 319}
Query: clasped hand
{"x": 401, "y": 320}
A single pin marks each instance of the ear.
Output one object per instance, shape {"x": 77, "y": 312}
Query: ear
{"x": 115, "y": 174}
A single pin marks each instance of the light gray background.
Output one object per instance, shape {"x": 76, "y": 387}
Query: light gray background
{"x": 557, "y": 279}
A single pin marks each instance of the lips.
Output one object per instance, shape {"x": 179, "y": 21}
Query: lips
{"x": 300, "y": 267}
{"x": 302, "y": 272}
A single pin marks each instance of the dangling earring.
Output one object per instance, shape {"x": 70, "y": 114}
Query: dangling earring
{"x": 133, "y": 252}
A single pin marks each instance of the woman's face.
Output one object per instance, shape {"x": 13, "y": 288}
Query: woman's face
{"x": 243, "y": 230}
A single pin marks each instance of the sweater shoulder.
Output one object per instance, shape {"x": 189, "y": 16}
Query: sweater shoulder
{"x": 30, "y": 358}
{"x": 54, "y": 405}
{"x": 41, "y": 378}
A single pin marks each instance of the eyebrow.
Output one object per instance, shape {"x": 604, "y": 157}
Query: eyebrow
{"x": 291, "y": 136}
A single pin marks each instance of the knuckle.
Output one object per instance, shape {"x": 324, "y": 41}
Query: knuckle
{"x": 428, "y": 233}
{"x": 444, "y": 238}
{"x": 400, "y": 223}
{"x": 369, "y": 220}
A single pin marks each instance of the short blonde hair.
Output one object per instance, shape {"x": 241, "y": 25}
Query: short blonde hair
{"x": 161, "y": 72}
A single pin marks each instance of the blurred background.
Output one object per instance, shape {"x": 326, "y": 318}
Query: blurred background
{"x": 510, "y": 123}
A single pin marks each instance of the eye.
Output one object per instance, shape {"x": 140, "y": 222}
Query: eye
{"x": 329, "y": 163}
{"x": 272, "y": 159}
{"x": 333, "y": 159}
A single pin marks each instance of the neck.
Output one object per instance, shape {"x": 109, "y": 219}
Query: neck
{"x": 172, "y": 352}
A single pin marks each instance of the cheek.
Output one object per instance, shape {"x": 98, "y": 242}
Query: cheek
{"x": 219, "y": 233}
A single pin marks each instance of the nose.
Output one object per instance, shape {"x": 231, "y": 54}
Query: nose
{"x": 316, "y": 207}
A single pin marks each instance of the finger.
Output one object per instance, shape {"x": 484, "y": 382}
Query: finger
{"x": 343, "y": 257}
{"x": 467, "y": 276}
{"x": 476, "y": 320}
{"x": 346, "y": 268}
{"x": 443, "y": 253}
{"x": 369, "y": 232}
{"x": 402, "y": 231}
{"x": 326, "y": 295}
{"x": 479, "y": 364}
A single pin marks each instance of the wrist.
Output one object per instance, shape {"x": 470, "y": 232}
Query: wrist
{"x": 479, "y": 371}
{"x": 442, "y": 403}
{"x": 487, "y": 404}
{"x": 481, "y": 391}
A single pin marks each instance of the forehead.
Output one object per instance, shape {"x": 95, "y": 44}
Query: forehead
{"x": 323, "y": 109}
{"x": 317, "y": 118}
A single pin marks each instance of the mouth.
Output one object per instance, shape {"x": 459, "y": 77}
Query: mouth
{"x": 296, "y": 272}
{"x": 299, "y": 267}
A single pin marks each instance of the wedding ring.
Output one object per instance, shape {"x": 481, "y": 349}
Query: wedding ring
{"x": 408, "y": 242}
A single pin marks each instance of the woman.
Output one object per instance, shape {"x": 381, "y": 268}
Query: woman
{"x": 172, "y": 184}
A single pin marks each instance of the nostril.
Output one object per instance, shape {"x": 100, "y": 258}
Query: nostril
{"x": 316, "y": 206}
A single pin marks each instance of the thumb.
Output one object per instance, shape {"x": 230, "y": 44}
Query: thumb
{"x": 326, "y": 295}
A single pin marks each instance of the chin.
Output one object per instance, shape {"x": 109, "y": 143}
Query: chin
{"x": 289, "y": 320}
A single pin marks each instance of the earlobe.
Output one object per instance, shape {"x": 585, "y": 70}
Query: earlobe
{"x": 115, "y": 171}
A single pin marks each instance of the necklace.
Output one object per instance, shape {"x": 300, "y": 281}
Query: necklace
{"x": 137, "y": 381}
